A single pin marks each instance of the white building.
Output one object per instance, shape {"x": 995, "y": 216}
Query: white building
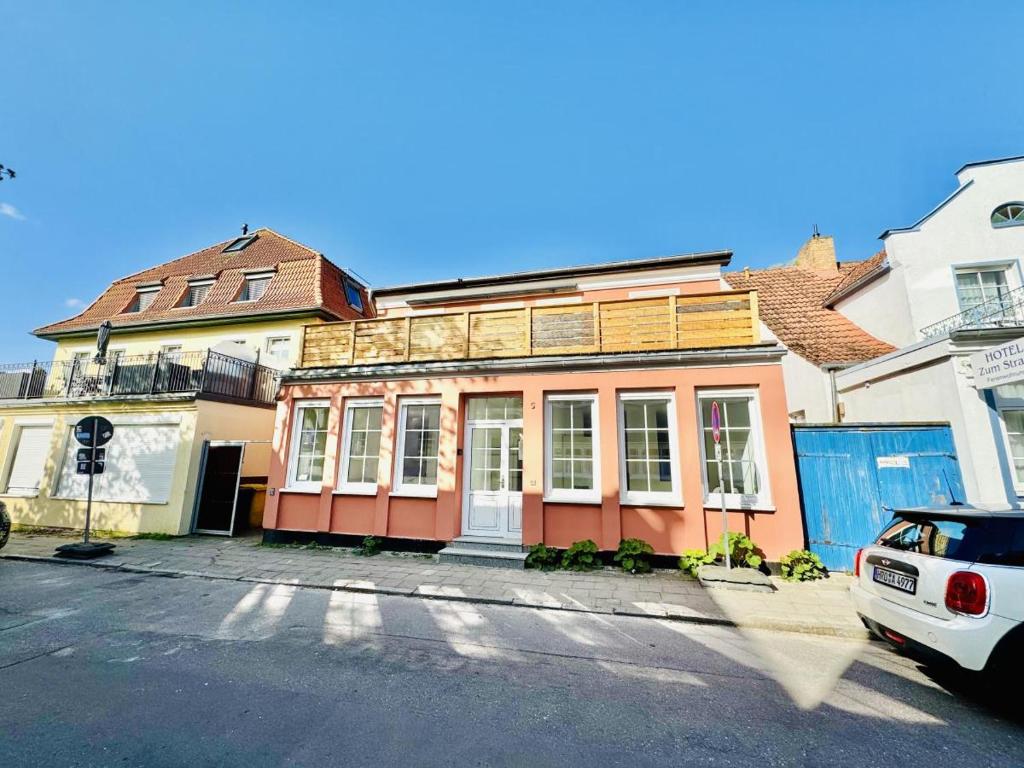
{"x": 950, "y": 285}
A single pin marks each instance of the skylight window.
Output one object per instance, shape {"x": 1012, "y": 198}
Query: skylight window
{"x": 239, "y": 243}
{"x": 353, "y": 295}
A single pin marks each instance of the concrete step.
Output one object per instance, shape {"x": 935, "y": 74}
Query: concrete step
{"x": 486, "y": 543}
{"x": 490, "y": 558}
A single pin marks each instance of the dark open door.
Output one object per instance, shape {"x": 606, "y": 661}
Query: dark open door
{"x": 218, "y": 493}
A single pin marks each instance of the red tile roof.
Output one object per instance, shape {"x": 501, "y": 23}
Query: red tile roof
{"x": 859, "y": 274}
{"x": 791, "y": 301}
{"x": 304, "y": 281}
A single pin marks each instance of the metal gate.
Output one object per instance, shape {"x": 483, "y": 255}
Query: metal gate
{"x": 851, "y": 476}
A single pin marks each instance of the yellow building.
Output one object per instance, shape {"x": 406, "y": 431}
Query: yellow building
{"x": 189, "y": 381}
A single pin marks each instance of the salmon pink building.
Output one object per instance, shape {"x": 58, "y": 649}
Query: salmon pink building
{"x": 486, "y": 414}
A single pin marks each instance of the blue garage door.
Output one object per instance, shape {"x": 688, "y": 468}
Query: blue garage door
{"x": 852, "y": 476}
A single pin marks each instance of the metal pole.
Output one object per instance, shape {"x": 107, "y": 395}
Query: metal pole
{"x": 92, "y": 469}
{"x": 725, "y": 515}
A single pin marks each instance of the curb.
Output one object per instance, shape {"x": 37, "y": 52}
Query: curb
{"x": 819, "y": 630}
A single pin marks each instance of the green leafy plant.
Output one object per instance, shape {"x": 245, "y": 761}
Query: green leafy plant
{"x": 634, "y": 555}
{"x": 581, "y": 556}
{"x": 692, "y": 559}
{"x": 801, "y": 565}
{"x": 743, "y": 552}
{"x": 544, "y": 557}
{"x": 369, "y": 547}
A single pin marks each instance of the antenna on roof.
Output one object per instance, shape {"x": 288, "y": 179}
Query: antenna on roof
{"x": 816, "y": 232}
{"x": 245, "y": 229}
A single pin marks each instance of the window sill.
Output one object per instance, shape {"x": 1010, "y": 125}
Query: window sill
{"x": 15, "y": 495}
{"x": 355, "y": 492}
{"x": 293, "y": 489}
{"x": 716, "y": 504}
{"x": 676, "y": 503}
{"x": 407, "y": 494}
{"x": 562, "y": 500}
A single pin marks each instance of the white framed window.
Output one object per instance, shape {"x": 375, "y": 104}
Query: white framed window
{"x": 988, "y": 285}
{"x": 255, "y": 286}
{"x": 30, "y": 446}
{"x": 143, "y": 298}
{"x": 648, "y": 450}
{"x": 1010, "y": 404}
{"x": 419, "y": 440}
{"x": 196, "y": 293}
{"x": 744, "y": 474}
{"x": 279, "y": 348}
{"x": 1008, "y": 215}
{"x": 360, "y": 453}
{"x": 572, "y": 471}
{"x": 309, "y": 445}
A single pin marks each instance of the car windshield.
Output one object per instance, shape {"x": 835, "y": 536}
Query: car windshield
{"x": 979, "y": 540}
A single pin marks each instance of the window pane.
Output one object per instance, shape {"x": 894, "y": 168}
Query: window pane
{"x": 661, "y": 477}
{"x": 636, "y": 445}
{"x": 355, "y": 470}
{"x": 561, "y": 474}
{"x": 737, "y": 413}
{"x": 636, "y": 476}
{"x": 561, "y": 415}
{"x": 633, "y": 414}
{"x": 411, "y": 471}
{"x": 582, "y": 475}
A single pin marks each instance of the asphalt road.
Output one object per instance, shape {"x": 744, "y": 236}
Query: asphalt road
{"x": 103, "y": 668}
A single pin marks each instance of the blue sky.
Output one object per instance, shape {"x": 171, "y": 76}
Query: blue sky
{"x": 414, "y": 140}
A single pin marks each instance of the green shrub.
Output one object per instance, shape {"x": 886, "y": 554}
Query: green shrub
{"x": 801, "y": 565}
{"x": 369, "y": 547}
{"x": 743, "y": 552}
{"x": 634, "y": 555}
{"x": 693, "y": 559}
{"x": 544, "y": 557}
{"x": 581, "y": 556}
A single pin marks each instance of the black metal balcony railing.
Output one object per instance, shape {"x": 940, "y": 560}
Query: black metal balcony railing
{"x": 1006, "y": 311}
{"x": 157, "y": 374}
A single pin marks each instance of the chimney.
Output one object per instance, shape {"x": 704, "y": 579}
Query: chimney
{"x": 818, "y": 253}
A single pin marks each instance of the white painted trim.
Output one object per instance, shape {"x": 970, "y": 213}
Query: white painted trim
{"x": 572, "y": 495}
{"x": 342, "y": 485}
{"x": 291, "y": 484}
{"x": 33, "y": 421}
{"x": 412, "y": 489}
{"x": 492, "y": 306}
{"x": 559, "y": 302}
{"x": 673, "y": 498}
{"x": 763, "y": 499}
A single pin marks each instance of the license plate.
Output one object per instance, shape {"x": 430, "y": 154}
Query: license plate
{"x": 896, "y": 580}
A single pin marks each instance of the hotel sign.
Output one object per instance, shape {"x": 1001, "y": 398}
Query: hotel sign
{"x": 999, "y": 365}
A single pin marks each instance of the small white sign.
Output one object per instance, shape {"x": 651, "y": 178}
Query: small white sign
{"x": 892, "y": 462}
{"x": 999, "y": 365}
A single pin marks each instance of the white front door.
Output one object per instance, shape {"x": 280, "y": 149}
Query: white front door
{"x": 493, "y": 483}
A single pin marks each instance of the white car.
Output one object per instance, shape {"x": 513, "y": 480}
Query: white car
{"x": 948, "y": 582}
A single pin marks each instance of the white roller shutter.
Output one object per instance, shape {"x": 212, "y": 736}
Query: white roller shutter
{"x": 29, "y": 458}
{"x": 139, "y": 466}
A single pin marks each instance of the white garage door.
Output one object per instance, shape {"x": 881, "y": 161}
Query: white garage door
{"x": 139, "y": 466}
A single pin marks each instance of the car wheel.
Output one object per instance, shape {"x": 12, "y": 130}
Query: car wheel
{"x": 5, "y": 525}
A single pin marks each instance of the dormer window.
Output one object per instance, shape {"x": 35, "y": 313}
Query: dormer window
{"x": 1008, "y": 215}
{"x": 196, "y": 294}
{"x": 239, "y": 243}
{"x": 143, "y": 298}
{"x": 353, "y": 295}
{"x": 255, "y": 286}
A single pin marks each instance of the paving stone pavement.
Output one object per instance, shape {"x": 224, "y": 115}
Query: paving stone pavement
{"x": 821, "y": 607}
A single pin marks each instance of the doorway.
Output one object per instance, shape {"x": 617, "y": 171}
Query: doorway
{"x": 217, "y": 507}
{"x": 493, "y": 481}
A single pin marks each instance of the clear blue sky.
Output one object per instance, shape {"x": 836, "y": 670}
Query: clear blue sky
{"x": 417, "y": 140}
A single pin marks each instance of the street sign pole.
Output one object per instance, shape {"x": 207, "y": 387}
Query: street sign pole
{"x": 716, "y": 434}
{"x": 92, "y": 472}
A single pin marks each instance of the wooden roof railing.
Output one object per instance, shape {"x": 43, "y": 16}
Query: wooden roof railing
{"x": 724, "y": 319}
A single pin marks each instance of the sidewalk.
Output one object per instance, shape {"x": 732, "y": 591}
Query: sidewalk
{"x": 821, "y": 608}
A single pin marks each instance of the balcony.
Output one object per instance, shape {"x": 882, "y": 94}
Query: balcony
{"x": 198, "y": 373}
{"x": 1006, "y": 311}
{"x": 707, "y": 321}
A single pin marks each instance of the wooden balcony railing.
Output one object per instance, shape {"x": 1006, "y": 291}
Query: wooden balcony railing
{"x": 725, "y": 319}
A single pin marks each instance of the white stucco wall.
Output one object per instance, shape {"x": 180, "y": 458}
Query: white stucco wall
{"x": 882, "y": 309}
{"x": 959, "y": 234}
{"x": 808, "y": 389}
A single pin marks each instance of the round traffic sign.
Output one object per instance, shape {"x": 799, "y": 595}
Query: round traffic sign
{"x": 716, "y": 422}
{"x": 93, "y": 431}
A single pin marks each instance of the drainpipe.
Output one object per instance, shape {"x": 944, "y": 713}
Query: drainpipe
{"x": 830, "y": 369}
